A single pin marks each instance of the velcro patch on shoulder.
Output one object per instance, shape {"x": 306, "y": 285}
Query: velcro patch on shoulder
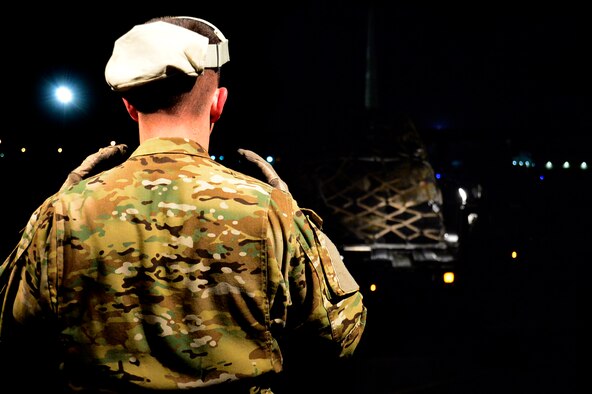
{"x": 340, "y": 279}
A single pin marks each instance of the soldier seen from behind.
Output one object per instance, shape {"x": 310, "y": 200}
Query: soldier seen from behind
{"x": 171, "y": 272}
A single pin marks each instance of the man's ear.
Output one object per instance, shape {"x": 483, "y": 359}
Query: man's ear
{"x": 218, "y": 101}
{"x": 131, "y": 110}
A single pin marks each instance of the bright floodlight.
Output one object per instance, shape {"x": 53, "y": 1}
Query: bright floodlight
{"x": 63, "y": 94}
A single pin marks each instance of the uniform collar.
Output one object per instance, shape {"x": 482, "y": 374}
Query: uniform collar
{"x": 170, "y": 145}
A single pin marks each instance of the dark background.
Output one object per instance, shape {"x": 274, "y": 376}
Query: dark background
{"x": 483, "y": 83}
{"x": 500, "y": 72}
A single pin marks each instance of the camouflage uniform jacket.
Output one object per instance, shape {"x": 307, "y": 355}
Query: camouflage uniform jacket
{"x": 172, "y": 271}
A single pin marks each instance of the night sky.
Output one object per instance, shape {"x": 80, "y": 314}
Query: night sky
{"x": 482, "y": 83}
{"x": 484, "y": 71}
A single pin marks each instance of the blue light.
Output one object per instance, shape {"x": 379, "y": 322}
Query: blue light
{"x": 440, "y": 125}
{"x": 68, "y": 94}
{"x": 64, "y": 94}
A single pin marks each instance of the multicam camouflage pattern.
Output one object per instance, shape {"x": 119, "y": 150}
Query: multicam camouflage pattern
{"x": 171, "y": 271}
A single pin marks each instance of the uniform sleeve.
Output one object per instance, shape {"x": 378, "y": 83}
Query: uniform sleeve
{"x": 25, "y": 292}
{"x": 324, "y": 302}
{"x": 28, "y": 345}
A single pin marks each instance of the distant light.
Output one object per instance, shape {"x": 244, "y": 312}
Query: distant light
{"x": 60, "y": 150}
{"x": 23, "y": 149}
{"x": 566, "y": 164}
{"x": 451, "y": 237}
{"x": 269, "y": 159}
{"x": 372, "y": 287}
{"x": 440, "y": 125}
{"x": 214, "y": 157}
{"x": 456, "y": 163}
{"x": 541, "y": 177}
{"x": 64, "y": 94}
{"x": 549, "y": 165}
{"x": 448, "y": 277}
{"x": 584, "y": 166}
{"x": 523, "y": 160}
{"x": 514, "y": 254}
{"x": 463, "y": 196}
{"x": 438, "y": 175}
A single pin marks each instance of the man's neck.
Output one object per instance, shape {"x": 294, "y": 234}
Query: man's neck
{"x": 160, "y": 125}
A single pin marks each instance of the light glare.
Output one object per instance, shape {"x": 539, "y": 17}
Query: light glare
{"x": 64, "y": 95}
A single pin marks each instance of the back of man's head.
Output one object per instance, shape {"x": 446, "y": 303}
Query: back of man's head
{"x": 156, "y": 64}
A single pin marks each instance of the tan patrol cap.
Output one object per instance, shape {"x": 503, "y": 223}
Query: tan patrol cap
{"x": 153, "y": 51}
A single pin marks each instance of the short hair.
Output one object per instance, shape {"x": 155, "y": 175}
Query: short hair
{"x": 192, "y": 24}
